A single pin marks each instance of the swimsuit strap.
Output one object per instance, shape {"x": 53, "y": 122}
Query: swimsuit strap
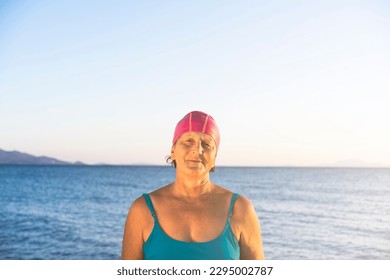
{"x": 150, "y": 204}
{"x": 234, "y": 198}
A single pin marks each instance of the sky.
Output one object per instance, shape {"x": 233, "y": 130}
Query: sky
{"x": 290, "y": 83}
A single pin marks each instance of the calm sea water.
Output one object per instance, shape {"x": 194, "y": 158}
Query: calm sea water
{"x": 74, "y": 212}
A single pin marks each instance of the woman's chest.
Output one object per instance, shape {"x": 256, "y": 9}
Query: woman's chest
{"x": 193, "y": 223}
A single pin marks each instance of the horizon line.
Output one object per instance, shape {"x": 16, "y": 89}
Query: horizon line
{"x": 219, "y": 166}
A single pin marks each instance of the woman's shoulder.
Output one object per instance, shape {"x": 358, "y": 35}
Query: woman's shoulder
{"x": 139, "y": 206}
{"x": 241, "y": 201}
{"x": 244, "y": 202}
{"x": 222, "y": 190}
{"x": 160, "y": 193}
{"x": 242, "y": 207}
{"x": 243, "y": 216}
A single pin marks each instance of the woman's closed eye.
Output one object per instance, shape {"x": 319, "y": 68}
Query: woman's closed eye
{"x": 207, "y": 145}
{"x": 188, "y": 142}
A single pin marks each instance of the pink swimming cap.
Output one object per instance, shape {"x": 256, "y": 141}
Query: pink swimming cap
{"x": 196, "y": 121}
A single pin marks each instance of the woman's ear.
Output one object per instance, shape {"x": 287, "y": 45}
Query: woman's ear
{"x": 173, "y": 152}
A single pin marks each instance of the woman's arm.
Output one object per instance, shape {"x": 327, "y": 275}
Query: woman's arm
{"x": 133, "y": 237}
{"x": 248, "y": 225}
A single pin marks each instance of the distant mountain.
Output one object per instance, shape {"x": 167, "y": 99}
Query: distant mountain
{"x": 19, "y": 158}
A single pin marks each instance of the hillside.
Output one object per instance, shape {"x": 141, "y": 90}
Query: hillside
{"x": 19, "y": 158}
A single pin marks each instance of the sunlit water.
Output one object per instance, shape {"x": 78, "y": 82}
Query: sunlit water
{"x": 305, "y": 213}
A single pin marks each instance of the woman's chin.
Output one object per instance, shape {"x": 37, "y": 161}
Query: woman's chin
{"x": 198, "y": 168}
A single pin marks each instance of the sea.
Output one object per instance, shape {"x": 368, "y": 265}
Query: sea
{"x": 78, "y": 212}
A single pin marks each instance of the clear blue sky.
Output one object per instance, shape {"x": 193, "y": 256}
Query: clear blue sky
{"x": 301, "y": 83}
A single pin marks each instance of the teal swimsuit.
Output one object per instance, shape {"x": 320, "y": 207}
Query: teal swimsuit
{"x": 160, "y": 246}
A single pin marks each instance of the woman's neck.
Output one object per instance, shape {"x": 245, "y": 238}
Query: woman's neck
{"x": 192, "y": 187}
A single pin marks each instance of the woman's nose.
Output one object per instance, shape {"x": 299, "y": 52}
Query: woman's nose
{"x": 198, "y": 148}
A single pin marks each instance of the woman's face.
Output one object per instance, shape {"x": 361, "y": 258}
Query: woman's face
{"x": 195, "y": 152}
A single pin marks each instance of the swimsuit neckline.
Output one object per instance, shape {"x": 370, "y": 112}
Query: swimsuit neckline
{"x": 157, "y": 224}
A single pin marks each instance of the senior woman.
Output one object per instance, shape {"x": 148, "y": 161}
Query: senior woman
{"x": 192, "y": 218}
